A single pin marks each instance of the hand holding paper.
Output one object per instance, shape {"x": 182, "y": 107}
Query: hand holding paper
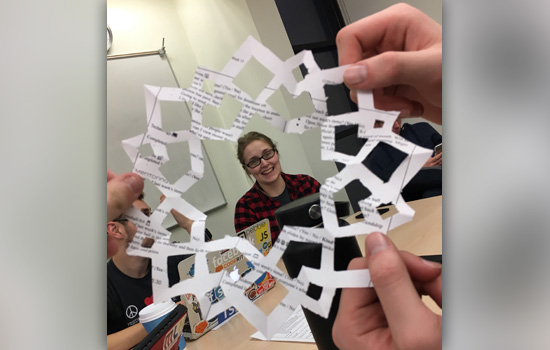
{"x": 313, "y": 83}
{"x": 392, "y": 315}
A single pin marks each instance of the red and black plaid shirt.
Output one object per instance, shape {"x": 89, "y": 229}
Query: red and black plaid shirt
{"x": 255, "y": 205}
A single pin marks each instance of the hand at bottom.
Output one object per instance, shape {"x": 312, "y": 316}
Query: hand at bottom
{"x": 391, "y": 315}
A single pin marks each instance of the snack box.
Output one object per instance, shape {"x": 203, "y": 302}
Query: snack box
{"x": 230, "y": 259}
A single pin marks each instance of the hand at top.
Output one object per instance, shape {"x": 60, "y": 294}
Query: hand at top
{"x": 397, "y": 53}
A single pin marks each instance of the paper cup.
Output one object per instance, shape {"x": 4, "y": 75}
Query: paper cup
{"x": 153, "y": 314}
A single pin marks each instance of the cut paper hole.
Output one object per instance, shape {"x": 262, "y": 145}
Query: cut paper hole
{"x": 300, "y": 72}
{"x": 347, "y": 141}
{"x": 145, "y": 150}
{"x": 175, "y": 116}
{"x": 179, "y": 162}
{"x": 208, "y": 85}
{"x": 224, "y": 116}
{"x": 383, "y": 160}
{"x": 253, "y": 78}
{"x": 180, "y": 267}
{"x": 292, "y": 106}
{"x": 338, "y": 100}
{"x": 147, "y": 242}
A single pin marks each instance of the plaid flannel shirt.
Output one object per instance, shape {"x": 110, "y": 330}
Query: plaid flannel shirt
{"x": 255, "y": 205}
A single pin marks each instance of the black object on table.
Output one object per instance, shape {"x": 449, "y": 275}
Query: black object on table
{"x": 438, "y": 258}
{"x": 306, "y": 212}
{"x": 380, "y": 212}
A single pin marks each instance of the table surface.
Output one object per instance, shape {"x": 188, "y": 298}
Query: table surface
{"x": 421, "y": 236}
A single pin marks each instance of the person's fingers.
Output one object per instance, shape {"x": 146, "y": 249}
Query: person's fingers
{"x": 434, "y": 289}
{"x": 384, "y": 30}
{"x": 420, "y": 269}
{"x": 426, "y": 275}
{"x": 405, "y": 99}
{"x": 398, "y": 28}
{"x": 358, "y": 314}
{"x": 353, "y": 95}
{"x": 110, "y": 175}
{"x": 122, "y": 190}
{"x": 356, "y": 297}
{"x": 395, "y": 68}
{"x": 393, "y": 284}
{"x": 407, "y": 107}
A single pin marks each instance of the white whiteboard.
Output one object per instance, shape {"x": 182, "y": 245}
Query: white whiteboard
{"x": 126, "y": 118}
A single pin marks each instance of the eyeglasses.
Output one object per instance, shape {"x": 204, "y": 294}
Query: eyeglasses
{"x": 120, "y": 219}
{"x": 254, "y": 162}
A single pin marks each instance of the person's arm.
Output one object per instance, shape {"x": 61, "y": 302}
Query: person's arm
{"x": 315, "y": 185}
{"x": 182, "y": 220}
{"x": 126, "y": 338}
{"x": 186, "y": 223}
{"x": 391, "y": 315}
{"x": 397, "y": 53}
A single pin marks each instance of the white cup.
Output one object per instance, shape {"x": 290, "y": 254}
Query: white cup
{"x": 153, "y": 314}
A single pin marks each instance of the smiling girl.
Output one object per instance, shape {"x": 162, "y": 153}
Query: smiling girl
{"x": 272, "y": 188}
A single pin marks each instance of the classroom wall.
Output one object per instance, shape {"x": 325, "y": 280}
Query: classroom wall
{"x": 305, "y": 148}
{"x": 208, "y": 32}
{"x": 353, "y": 10}
{"x": 140, "y": 25}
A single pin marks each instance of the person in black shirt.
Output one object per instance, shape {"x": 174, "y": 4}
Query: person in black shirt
{"x": 129, "y": 285}
{"x": 384, "y": 159}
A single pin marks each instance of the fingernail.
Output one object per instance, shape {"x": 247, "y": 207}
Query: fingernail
{"x": 376, "y": 242}
{"x": 355, "y": 74}
{"x": 135, "y": 182}
{"x": 404, "y": 114}
{"x": 432, "y": 264}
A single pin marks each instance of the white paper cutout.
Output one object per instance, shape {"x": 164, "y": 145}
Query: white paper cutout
{"x": 326, "y": 277}
{"x": 295, "y": 329}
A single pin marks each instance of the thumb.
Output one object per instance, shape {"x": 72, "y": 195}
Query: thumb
{"x": 392, "y": 68}
{"x": 122, "y": 191}
{"x": 401, "y": 303}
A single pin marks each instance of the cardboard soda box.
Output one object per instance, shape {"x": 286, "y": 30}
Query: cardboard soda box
{"x": 259, "y": 235}
{"x": 167, "y": 334}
